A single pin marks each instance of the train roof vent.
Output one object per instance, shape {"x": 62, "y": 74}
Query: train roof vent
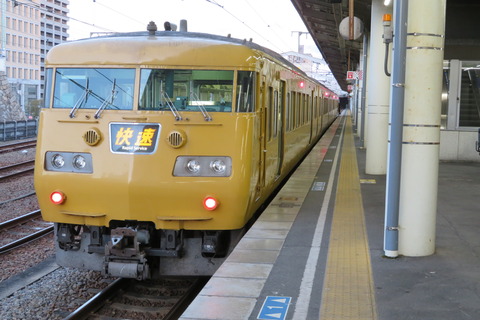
{"x": 177, "y": 139}
{"x": 92, "y": 137}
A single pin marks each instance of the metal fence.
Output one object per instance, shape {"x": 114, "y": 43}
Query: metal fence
{"x": 14, "y": 130}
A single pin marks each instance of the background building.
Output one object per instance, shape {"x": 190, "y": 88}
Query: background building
{"x": 29, "y": 29}
{"x": 54, "y": 28}
{"x": 315, "y": 68}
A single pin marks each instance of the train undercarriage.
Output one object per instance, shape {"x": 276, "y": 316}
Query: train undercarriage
{"x": 137, "y": 250}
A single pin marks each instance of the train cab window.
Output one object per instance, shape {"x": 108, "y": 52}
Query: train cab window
{"x": 245, "y": 91}
{"x": 48, "y": 87}
{"x": 186, "y": 90}
{"x": 93, "y": 88}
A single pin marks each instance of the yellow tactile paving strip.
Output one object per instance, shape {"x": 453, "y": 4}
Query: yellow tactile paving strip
{"x": 348, "y": 286}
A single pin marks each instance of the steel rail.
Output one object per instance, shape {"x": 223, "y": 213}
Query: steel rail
{"x": 21, "y": 220}
{"x": 18, "y": 220}
{"x": 15, "y": 174}
{"x": 186, "y": 299}
{"x": 17, "y": 146}
{"x": 18, "y": 198}
{"x": 97, "y": 300}
{"x": 13, "y": 166}
{"x": 21, "y": 241}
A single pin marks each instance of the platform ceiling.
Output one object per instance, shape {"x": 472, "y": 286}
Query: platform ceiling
{"x": 322, "y": 18}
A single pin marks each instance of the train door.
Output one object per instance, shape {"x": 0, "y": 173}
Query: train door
{"x": 262, "y": 113}
{"x": 280, "y": 114}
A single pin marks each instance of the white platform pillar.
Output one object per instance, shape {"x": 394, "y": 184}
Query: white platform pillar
{"x": 378, "y": 96}
{"x": 421, "y": 133}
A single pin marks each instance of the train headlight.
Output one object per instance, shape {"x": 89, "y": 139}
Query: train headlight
{"x": 202, "y": 166}
{"x": 79, "y": 162}
{"x": 193, "y": 166}
{"x": 58, "y": 161}
{"x": 218, "y": 166}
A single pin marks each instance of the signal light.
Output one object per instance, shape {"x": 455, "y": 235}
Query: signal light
{"x": 210, "y": 203}
{"x": 57, "y": 197}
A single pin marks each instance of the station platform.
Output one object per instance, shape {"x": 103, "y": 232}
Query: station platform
{"x": 316, "y": 252}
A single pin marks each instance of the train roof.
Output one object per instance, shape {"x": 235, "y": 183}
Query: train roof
{"x": 143, "y": 48}
{"x": 199, "y": 35}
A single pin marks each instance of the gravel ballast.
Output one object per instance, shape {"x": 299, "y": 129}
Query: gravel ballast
{"x": 58, "y": 293}
{"x": 53, "y": 296}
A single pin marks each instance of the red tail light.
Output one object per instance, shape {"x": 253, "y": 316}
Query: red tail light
{"x": 210, "y": 203}
{"x": 57, "y": 197}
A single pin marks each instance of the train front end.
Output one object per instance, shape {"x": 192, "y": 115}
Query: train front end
{"x": 144, "y": 156}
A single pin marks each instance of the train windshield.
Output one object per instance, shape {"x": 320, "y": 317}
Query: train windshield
{"x": 245, "y": 91}
{"x": 94, "y": 88}
{"x": 186, "y": 90}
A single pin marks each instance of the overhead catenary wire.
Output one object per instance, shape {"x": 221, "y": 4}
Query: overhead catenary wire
{"x": 267, "y": 24}
{"x": 120, "y": 13}
{"x": 256, "y": 21}
{"x": 91, "y": 24}
{"x": 214, "y": 2}
{"x": 38, "y": 7}
{"x": 242, "y": 22}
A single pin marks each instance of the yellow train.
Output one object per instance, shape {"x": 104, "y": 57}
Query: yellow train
{"x": 156, "y": 149}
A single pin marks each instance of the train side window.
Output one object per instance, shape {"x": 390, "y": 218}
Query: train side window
{"x": 276, "y": 114}
{"x": 306, "y": 108}
{"x": 48, "y": 87}
{"x": 288, "y": 114}
{"x": 297, "y": 108}
{"x": 294, "y": 111}
{"x": 302, "y": 109}
{"x": 245, "y": 91}
{"x": 270, "y": 116}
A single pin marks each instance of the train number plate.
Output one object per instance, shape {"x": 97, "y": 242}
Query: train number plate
{"x": 134, "y": 138}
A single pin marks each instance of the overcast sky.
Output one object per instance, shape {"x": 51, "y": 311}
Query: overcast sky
{"x": 271, "y": 23}
{"x": 274, "y": 24}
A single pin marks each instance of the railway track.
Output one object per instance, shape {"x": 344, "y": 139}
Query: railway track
{"x": 17, "y": 146}
{"x": 13, "y": 170}
{"x": 26, "y": 195}
{"x": 26, "y": 228}
{"x": 131, "y": 299}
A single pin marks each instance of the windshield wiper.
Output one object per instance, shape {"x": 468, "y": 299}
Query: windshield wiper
{"x": 108, "y": 101}
{"x": 170, "y": 105}
{"x": 80, "y": 101}
{"x": 200, "y": 106}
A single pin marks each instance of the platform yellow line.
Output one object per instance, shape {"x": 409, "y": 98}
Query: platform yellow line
{"x": 348, "y": 285}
